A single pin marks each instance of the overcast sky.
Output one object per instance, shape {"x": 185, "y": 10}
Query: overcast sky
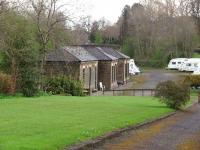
{"x": 109, "y": 9}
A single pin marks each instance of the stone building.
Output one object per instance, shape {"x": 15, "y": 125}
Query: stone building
{"x": 91, "y": 64}
{"x": 107, "y": 65}
{"x": 122, "y": 64}
{"x": 74, "y": 61}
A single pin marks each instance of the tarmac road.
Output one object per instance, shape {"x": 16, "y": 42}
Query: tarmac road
{"x": 153, "y": 77}
{"x": 178, "y": 132}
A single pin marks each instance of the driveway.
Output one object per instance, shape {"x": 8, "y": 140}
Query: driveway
{"x": 178, "y": 132}
{"x": 147, "y": 80}
{"x": 150, "y": 78}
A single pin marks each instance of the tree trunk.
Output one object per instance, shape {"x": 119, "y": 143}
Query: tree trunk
{"x": 42, "y": 71}
{"x": 14, "y": 73}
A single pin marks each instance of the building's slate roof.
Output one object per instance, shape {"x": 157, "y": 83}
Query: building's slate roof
{"x": 80, "y": 53}
{"x": 123, "y": 55}
{"x": 114, "y": 53}
{"x": 99, "y": 53}
{"x": 60, "y": 55}
{"x": 85, "y": 53}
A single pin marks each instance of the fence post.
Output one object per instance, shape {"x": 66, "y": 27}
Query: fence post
{"x": 151, "y": 92}
{"x": 142, "y": 92}
{"x": 113, "y": 93}
{"x": 199, "y": 97}
{"x": 133, "y": 92}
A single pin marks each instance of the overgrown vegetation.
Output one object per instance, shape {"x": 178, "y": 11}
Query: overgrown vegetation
{"x": 193, "y": 81}
{"x": 26, "y": 39}
{"x": 153, "y": 36}
{"x": 175, "y": 95}
{"x": 5, "y": 83}
{"x": 64, "y": 85}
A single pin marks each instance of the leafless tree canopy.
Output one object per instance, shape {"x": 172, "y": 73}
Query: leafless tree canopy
{"x": 158, "y": 27}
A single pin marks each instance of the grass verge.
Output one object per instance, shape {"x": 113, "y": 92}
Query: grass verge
{"x": 53, "y": 122}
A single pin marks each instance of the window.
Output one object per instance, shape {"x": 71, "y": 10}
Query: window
{"x": 83, "y": 75}
{"x": 127, "y": 70}
{"x": 95, "y": 77}
{"x": 90, "y": 77}
{"x": 173, "y": 63}
{"x": 179, "y": 62}
{"x": 113, "y": 74}
{"x": 189, "y": 65}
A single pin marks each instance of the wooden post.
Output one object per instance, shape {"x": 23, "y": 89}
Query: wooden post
{"x": 142, "y": 92}
{"x": 133, "y": 92}
{"x": 152, "y": 93}
{"x": 199, "y": 97}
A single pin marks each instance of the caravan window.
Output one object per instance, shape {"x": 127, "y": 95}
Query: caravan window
{"x": 173, "y": 63}
{"x": 179, "y": 62}
{"x": 189, "y": 65}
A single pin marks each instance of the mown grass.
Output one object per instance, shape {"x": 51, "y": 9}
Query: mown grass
{"x": 53, "y": 122}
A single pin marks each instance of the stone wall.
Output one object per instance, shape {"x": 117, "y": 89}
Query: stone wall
{"x": 92, "y": 72}
{"x": 122, "y": 70}
{"x": 105, "y": 74}
{"x": 63, "y": 68}
{"x": 89, "y": 74}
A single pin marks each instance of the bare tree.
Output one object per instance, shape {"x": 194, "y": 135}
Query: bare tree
{"x": 46, "y": 14}
{"x": 195, "y": 11}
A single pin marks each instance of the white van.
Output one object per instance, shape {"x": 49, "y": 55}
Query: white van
{"x": 176, "y": 63}
{"x": 193, "y": 64}
{"x": 133, "y": 69}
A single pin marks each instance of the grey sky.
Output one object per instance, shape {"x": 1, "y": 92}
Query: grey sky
{"x": 108, "y": 9}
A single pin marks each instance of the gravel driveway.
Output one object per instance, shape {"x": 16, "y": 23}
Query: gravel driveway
{"x": 152, "y": 77}
{"x": 178, "y": 132}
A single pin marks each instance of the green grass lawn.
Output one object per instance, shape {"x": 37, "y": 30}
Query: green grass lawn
{"x": 53, "y": 122}
{"x": 196, "y": 55}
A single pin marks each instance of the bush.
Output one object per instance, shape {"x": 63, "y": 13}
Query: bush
{"x": 193, "y": 80}
{"x": 173, "y": 94}
{"x": 64, "y": 85}
{"x": 5, "y": 83}
{"x": 28, "y": 72}
{"x": 29, "y": 87}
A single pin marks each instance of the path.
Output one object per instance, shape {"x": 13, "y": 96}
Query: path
{"x": 152, "y": 77}
{"x": 147, "y": 80}
{"x": 178, "y": 132}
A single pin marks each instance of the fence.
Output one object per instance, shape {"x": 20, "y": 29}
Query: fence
{"x": 130, "y": 92}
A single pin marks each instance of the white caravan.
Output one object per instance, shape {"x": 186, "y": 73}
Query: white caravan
{"x": 193, "y": 64}
{"x": 133, "y": 69}
{"x": 176, "y": 63}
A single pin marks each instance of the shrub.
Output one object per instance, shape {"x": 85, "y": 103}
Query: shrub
{"x": 29, "y": 87}
{"x": 64, "y": 85}
{"x": 172, "y": 94}
{"x": 5, "y": 83}
{"x": 28, "y": 72}
{"x": 192, "y": 80}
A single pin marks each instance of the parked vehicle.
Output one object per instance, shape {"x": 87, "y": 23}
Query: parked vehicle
{"x": 176, "y": 63}
{"x": 183, "y": 65}
{"x": 191, "y": 65}
{"x": 133, "y": 69}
